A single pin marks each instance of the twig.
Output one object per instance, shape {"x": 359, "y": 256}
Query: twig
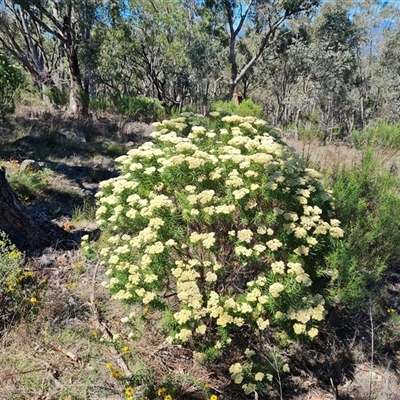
{"x": 372, "y": 351}
{"x": 327, "y": 361}
{"x": 102, "y": 327}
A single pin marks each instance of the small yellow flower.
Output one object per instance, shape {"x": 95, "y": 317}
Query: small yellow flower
{"x": 33, "y": 299}
{"x": 213, "y": 397}
{"x": 115, "y": 374}
{"x": 161, "y": 391}
{"x": 168, "y": 397}
{"x": 95, "y": 333}
{"x": 391, "y": 310}
{"x": 109, "y": 366}
{"x": 11, "y": 288}
{"x": 129, "y": 391}
{"x": 71, "y": 285}
{"x": 126, "y": 350}
{"x": 78, "y": 267}
{"x": 14, "y": 255}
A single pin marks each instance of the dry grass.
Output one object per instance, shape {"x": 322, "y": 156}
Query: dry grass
{"x": 326, "y": 157}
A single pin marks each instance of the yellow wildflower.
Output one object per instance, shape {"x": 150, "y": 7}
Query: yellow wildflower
{"x": 129, "y": 391}
{"x": 161, "y": 391}
{"x": 116, "y": 374}
{"x": 14, "y": 255}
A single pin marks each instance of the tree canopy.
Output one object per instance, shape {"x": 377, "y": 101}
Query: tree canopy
{"x": 331, "y": 66}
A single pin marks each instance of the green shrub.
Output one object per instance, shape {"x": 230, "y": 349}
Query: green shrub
{"x": 139, "y": 108}
{"x": 379, "y": 134}
{"x": 100, "y": 103}
{"x": 225, "y": 231}
{"x": 368, "y": 204}
{"x": 245, "y": 108}
{"x": 11, "y": 78}
{"x": 58, "y": 96}
{"x": 310, "y": 134}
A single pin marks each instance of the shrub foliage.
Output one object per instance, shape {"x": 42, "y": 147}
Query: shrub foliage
{"x": 20, "y": 290}
{"x": 218, "y": 223}
{"x": 246, "y": 108}
{"x": 11, "y": 79}
{"x": 139, "y": 108}
{"x": 368, "y": 204}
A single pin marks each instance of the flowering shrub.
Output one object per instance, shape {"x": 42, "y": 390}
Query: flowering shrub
{"x": 226, "y": 231}
{"x": 10, "y": 260}
{"x": 19, "y": 290}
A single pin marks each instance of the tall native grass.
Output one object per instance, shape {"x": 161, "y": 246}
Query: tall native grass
{"x": 219, "y": 224}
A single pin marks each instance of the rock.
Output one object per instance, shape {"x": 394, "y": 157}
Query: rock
{"x": 71, "y": 135}
{"x": 31, "y": 165}
{"x": 45, "y": 261}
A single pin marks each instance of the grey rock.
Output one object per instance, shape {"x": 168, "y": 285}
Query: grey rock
{"x": 73, "y": 136}
{"x": 31, "y": 165}
{"x": 45, "y": 261}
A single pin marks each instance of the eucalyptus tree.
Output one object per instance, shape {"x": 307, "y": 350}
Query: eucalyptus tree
{"x": 367, "y": 17}
{"x": 160, "y": 49}
{"x": 384, "y": 91}
{"x": 262, "y": 20}
{"x": 334, "y": 68}
{"x": 313, "y": 75}
{"x": 41, "y": 34}
{"x": 23, "y": 39}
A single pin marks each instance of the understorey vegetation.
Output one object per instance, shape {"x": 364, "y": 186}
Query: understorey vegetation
{"x": 199, "y": 200}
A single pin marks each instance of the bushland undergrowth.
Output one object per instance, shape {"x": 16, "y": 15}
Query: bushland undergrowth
{"x": 80, "y": 325}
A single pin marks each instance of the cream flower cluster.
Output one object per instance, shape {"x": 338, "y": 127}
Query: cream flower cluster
{"x": 242, "y": 373}
{"x": 218, "y": 227}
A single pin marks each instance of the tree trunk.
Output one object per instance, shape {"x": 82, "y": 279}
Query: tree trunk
{"x": 76, "y": 104}
{"x": 25, "y": 232}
